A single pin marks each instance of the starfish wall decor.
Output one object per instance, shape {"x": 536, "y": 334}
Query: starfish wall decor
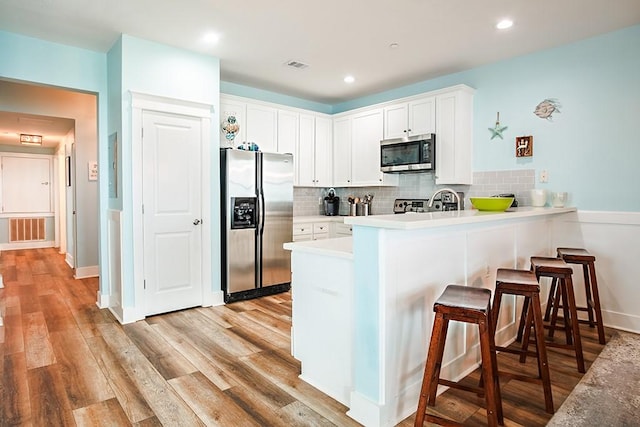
{"x": 497, "y": 130}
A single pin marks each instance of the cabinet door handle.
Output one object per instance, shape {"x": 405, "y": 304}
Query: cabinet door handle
{"x": 196, "y": 221}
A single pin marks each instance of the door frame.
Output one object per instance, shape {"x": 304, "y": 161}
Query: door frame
{"x": 139, "y": 104}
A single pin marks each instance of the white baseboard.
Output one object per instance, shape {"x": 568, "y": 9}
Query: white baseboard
{"x": 27, "y": 245}
{"x": 217, "y": 298}
{"x": 86, "y": 272}
{"x": 622, "y": 321}
{"x": 103, "y": 301}
{"x": 365, "y": 411}
{"x": 68, "y": 258}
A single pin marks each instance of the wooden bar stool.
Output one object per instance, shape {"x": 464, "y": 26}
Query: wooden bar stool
{"x": 556, "y": 268}
{"x": 524, "y": 283}
{"x": 469, "y": 305}
{"x": 584, "y": 258}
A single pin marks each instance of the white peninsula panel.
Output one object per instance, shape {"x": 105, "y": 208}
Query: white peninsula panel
{"x": 384, "y": 291}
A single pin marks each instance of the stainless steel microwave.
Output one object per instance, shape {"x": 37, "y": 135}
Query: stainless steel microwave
{"x": 410, "y": 154}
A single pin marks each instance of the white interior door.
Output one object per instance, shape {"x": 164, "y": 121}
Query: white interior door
{"x": 26, "y": 184}
{"x": 171, "y": 150}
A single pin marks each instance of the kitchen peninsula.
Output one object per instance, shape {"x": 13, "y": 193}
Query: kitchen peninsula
{"x": 363, "y": 305}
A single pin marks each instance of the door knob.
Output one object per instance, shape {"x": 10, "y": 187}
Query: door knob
{"x": 196, "y": 221}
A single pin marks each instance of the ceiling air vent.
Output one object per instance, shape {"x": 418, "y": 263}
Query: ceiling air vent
{"x": 296, "y": 64}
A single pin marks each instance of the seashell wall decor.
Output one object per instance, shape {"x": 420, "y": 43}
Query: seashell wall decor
{"x": 547, "y": 108}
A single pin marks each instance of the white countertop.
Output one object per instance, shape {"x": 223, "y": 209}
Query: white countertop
{"x": 341, "y": 247}
{"x": 413, "y": 221}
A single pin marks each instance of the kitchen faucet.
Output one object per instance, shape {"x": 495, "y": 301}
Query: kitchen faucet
{"x": 443, "y": 190}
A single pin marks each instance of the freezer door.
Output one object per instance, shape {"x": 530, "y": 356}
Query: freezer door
{"x": 241, "y": 253}
{"x": 240, "y": 199}
{"x": 277, "y": 219}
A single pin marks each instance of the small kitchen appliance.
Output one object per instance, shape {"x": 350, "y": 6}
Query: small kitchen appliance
{"x": 332, "y": 203}
{"x": 410, "y": 154}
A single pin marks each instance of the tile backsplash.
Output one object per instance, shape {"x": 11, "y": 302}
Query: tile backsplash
{"x": 307, "y": 200}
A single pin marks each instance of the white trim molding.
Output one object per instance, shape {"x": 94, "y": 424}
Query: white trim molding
{"x": 86, "y": 272}
{"x": 145, "y": 102}
{"x": 612, "y": 237}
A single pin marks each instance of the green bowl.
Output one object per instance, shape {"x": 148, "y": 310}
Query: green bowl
{"x": 494, "y": 204}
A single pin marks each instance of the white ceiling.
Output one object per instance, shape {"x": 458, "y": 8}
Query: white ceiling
{"x": 334, "y": 37}
{"x": 52, "y": 129}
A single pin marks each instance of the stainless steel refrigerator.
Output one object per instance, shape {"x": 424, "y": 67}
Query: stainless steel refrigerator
{"x": 257, "y": 219}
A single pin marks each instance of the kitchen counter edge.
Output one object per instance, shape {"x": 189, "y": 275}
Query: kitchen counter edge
{"x": 414, "y": 221}
{"x": 341, "y": 247}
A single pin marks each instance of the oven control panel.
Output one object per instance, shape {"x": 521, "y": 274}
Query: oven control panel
{"x": 410, "y": 205}
{"x": 446, "y": 202}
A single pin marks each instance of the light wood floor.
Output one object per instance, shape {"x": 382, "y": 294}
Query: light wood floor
{"x": 65, "y": 362}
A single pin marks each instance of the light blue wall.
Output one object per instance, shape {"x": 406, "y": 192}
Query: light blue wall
{"x": 160, "y": 70}
{"x": 591, "y": 147}
{"x": 277, "y": 98}
{"x": 114, "y": 77}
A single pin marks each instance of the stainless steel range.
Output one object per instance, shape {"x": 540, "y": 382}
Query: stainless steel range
{"x": 443, "y": 202}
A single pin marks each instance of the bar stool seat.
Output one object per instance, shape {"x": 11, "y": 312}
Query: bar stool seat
{"x": 557, "y": 268}
{"x": 593, "y": 309}
{"x": 524, "y": 283}
{"x": 469, "y": 305}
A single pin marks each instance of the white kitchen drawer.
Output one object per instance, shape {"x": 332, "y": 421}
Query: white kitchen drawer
{"x": 320, "y": 227}
{"x": 302, "y": 229}
{"x": 302, "y": 237}
{"x": 343, "y": 229}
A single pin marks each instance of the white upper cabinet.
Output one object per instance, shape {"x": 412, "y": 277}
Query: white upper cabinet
{"x": 323, "y": 151}
{"x": 229, "y": 107}
{"x": 288, "y": 137}
{"x": 261, "y": 127}
{"x": 306, "y": 152}
{"x": 287, "y": 132}
{"x": 366, "y": 133}
{"x": 342, "y": 152}
{"x": 454, "y": 148}
{"x": 410, "y": 118}
{"x": 312, "y": 156}
{"x": 356, "y": 150}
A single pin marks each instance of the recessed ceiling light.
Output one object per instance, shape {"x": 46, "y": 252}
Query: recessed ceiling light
{"x": 504, "y": 24}
{"x": 349, "y": 79}
{"x": 211, "y": 38}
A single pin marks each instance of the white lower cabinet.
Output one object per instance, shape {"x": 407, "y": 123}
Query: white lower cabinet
{"x": 310, "y": 231}
{"x": 340, "y": 229}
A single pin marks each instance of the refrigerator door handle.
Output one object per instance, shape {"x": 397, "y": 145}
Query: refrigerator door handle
{"x": 262, "y": 211}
